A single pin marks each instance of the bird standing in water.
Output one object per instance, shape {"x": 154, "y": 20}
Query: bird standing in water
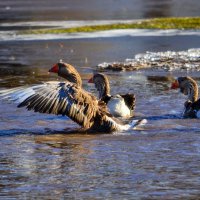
{"x": 67, "y": 98}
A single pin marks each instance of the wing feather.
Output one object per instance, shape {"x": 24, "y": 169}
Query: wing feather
{"x": 65, "y": 99}
{"x": 56, "y": 98}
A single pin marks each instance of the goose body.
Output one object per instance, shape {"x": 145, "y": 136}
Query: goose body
{"x": 118, "y": 105}
{"x": 66, "y": 98}
{"x": 188, "y": 87}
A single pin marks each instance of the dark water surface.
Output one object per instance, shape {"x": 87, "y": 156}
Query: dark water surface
{"x": 39, "y": 159}
{"x": 12, "y": 10}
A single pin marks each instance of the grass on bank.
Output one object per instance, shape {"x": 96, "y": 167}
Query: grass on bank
{"x": 157, "y": 23}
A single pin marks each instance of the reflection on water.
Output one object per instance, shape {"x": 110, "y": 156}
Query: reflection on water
{"x": 162, "y": 9}
{"x": 81, "y": 167}
{"x": 40, "y": 159}
{"x": 158, "y": 161}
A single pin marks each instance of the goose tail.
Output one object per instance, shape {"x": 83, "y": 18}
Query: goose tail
{"x": 135, "y": 123}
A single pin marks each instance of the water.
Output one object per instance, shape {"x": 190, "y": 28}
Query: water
{"x": 161, "y": 161}
{"x": 23, "y": 10}
{"x": 82, "y": 167}
{"x": 42, "y": 159}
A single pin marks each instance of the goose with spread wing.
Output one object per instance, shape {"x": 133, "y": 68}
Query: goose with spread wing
{"x": 189, "y": 87}
{"x": 67, "y": 98}
{"x": 119, "y": 105}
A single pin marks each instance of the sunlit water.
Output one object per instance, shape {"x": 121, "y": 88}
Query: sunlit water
{"x": 42, "y": 159}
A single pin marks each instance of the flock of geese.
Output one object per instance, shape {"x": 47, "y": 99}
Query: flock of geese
{"x": 102, "y": 114}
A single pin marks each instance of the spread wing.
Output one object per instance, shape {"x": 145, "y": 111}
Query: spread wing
{"x": 65, "y": 99}
{"x": 57, "y": 98}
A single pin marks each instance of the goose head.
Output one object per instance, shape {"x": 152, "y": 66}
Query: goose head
{"x": 101, "y": 83}
{"x": 67, "y": 72}
{"x": 188, "y": 87}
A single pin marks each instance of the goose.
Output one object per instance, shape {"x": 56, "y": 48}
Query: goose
{"x": 67, "y": 98}
{"x": 188, "y": 87}
{"x": 119, "y": 105}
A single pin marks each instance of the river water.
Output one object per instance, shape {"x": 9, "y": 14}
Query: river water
{"x": 41, "y": 159}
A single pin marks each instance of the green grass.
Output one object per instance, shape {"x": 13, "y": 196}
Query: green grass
{"x": 157, "y": 23}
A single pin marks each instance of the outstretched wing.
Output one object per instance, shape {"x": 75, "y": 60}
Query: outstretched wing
{"x": 56, "y": 98}
{"x": 66, "y": 99}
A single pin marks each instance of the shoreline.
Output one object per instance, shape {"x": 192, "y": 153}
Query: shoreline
{"x": 180, "y": 23}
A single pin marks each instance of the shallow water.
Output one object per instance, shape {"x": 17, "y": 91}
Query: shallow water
{"x": 153, "y": 166}
{"x": 41, "y": 159}
{"x": 38, "y": 155}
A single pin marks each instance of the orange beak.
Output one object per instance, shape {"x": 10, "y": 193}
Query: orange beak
{"x": 54, "y": 69}
{"x": 91, "y": 80}
{"x": 175, "y": 85}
